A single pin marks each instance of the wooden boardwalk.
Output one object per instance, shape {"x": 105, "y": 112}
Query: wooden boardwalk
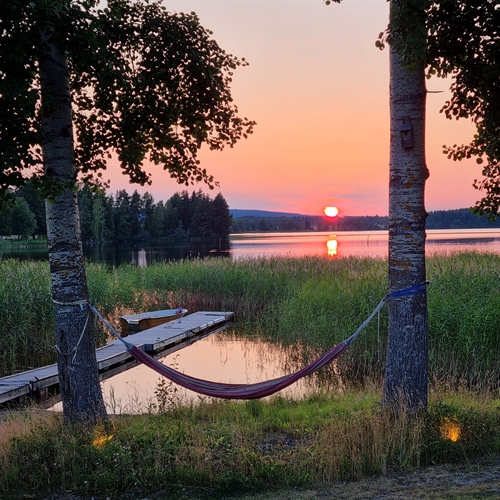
{"x": 114, "y": 358}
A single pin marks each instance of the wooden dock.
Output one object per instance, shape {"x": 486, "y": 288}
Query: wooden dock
{"x": 113, "y": 358}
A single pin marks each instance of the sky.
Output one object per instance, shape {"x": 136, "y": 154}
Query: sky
{"x": 318, "y": 89}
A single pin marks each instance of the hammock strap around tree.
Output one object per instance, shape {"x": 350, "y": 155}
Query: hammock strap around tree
{"x": 259, "y": 389}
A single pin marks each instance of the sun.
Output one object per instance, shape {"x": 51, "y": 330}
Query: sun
{"x": 331, "y": 211}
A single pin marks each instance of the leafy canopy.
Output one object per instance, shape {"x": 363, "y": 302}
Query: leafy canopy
{"x": 464, "y": 42}
{"x": 146, "y": 84}
{"x": 461, "y": 39}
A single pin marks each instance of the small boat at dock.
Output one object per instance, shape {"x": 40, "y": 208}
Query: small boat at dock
{"x": 138, "y": 322}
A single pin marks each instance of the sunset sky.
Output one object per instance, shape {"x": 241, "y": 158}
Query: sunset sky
{"x": 318, "y": 89}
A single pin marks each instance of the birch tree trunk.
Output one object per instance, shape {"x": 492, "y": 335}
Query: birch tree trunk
{"x": 78, "y": 376}
{"x": 407, "y": 352}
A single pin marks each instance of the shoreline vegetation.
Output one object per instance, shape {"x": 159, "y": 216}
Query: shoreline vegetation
{"x": 218, "y": 448}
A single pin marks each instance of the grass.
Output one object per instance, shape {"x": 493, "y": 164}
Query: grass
{"x": 26, "y": 316}
{"x": 220, "y": 448}
{"x": 6, "y": 242}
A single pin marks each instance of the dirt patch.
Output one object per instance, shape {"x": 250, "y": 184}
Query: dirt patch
{"x": 447, "y": 482}
{"x": 471, "y": 481}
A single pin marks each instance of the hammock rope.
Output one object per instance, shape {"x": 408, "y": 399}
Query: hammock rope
{"x": 259, "y": 389}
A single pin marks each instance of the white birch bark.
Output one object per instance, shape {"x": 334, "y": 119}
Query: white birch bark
{"x": 78, "y": 377}
{"x": 407, "y": 352}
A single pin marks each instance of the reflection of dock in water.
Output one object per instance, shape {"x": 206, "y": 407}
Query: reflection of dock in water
{"x": 113, "y": 358}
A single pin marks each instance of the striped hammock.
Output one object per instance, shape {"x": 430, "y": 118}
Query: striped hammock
{"x": 236, "y": 391}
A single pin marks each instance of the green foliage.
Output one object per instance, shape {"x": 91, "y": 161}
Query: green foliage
{"x": 464, "y": 42}
{"x": 464, "y": 318}
{"x": 23, "y": 220}
{"x": 26, "y": 316}
{"x": 145, "y": 83}
{"x": 36, "y": 206}
{"x": 476, "y": 427}
{"x": 407, "y": 31}
{"x": 458, "y": 39}
{"x": 455, "y": 219}
{"x": 124, "y": 217}
{"x": 17, "y": 217}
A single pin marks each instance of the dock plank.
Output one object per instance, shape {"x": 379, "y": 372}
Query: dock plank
{"x": 114, "y": 358}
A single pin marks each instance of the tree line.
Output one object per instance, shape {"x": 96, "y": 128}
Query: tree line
{"x": 133, "y": 217}
{"x": 462, "y": 218}
{"x": 125, "y": 217}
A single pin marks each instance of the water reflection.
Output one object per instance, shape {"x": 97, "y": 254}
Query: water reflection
{"x": 357, "y": 243}
{"x": 298, "y": 244}
{"x": 139, "y": 258}
{"x": 145, "y": 254}
{"x": 331, "y": 246}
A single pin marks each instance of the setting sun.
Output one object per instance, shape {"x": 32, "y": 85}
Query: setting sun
{"x": 331, "y": 211}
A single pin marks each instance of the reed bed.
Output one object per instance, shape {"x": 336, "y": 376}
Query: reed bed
{"x": 26, "y": 315}
{"x": 309, "y": 302}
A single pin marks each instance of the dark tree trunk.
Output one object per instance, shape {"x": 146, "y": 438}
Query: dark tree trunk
{"x": 79, "y": 383}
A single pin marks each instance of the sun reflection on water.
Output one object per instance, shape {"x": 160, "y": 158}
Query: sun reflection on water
{"x": 331, "y": 246}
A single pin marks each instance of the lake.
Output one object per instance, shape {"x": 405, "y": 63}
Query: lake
{"x": 357, "y": 243}
{"x": 333, "y": 245}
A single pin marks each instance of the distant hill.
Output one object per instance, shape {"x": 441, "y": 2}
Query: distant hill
{"x": 236, "y": 213}
{"x": 264, "y": 220}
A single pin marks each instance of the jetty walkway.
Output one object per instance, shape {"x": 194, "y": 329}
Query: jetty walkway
{"x": 43, "y": 383}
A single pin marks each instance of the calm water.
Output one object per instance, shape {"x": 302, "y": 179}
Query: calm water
{"x": 362, "y": 243}
{"x": 220, "y": 357}
{"x": 341, "y": 244}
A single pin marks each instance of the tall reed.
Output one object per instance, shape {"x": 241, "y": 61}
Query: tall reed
{"x": 311, "y": 302}
{"x": 26, "y": 315}
{"x": 464, "y": 319}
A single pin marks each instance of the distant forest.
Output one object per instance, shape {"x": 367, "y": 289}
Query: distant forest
{"x": 126, "y": 218}
{"x": 130, "y": 218}
{"x": 264, "y": 221}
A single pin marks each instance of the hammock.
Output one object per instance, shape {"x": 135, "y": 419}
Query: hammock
{"x": 236, "y": 391}
{"x": 259, "y": 389}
